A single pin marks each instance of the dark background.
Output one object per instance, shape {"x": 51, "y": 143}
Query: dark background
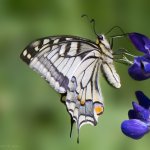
{"x": 31, "y": 115}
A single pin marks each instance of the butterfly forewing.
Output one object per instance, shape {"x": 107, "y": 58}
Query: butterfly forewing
{"x": 71, "y": 66}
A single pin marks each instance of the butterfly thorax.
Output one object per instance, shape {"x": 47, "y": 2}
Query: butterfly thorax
{"x": 105, "y": 49}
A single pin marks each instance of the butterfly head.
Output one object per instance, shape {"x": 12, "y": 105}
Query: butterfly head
{"x": 101, "y": 39}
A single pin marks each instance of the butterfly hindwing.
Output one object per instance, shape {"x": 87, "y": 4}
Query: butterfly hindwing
{"x": 84, "y": 99}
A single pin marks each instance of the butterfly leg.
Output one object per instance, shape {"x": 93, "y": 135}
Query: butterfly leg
{"x": 113, "y": 38}
{"x": 121, "y": 55}
{"x": 62, "y": 99}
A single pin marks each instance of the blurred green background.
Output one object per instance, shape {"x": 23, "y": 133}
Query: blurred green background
{"x": 31, "y": 115}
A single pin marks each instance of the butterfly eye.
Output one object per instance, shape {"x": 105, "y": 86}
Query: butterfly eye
{"x": 100, "y": 37}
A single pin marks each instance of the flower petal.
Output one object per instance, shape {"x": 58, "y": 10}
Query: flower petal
{"x": 140, "y": 112}
{"x": 143, "y": 100}
{"x": 132, "y": 114}
{"x": 140, "y": 70}
{"x": 134, "y": 128}
{"x": 140, "y": 41}
{"x": 145, "y": 60}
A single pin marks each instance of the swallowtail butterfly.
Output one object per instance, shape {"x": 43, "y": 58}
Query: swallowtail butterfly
{"x": 72, "y": 66}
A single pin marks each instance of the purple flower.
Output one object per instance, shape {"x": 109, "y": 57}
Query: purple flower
{"x": 139, "y": 118}
{"x": 140, "y": 41}
{"x": 140, "y": 70}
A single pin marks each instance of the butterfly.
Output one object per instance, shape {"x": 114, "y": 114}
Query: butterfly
{"x": 72, "y": 65}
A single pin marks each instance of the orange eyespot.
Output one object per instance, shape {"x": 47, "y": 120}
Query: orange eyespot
{"x": 98, "y": 109}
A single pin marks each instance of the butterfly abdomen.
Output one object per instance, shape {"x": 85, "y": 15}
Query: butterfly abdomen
{"x": 107, "y": 65}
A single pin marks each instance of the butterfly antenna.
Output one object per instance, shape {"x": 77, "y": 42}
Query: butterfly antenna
{"x": 91, "y": 21}
{"x": 115, "y": 27}
{"x": 84, "y": 15}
